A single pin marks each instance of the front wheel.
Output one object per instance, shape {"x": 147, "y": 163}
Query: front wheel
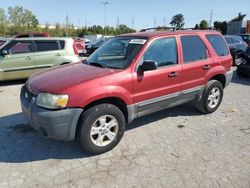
{"x": 211, "y": 98}
{"x": 101, "y": 128}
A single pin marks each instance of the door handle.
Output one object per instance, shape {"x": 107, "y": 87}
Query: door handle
{"x": 58, "y": 54}
{"x": 206, "y": 67}
{"x": 28, "y": 58}
{"x": 172, "y": 74}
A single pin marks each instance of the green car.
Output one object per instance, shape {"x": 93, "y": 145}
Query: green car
{"x": 22, "y": 57}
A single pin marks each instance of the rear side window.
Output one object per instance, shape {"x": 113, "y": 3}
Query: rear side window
{"x": 218, "y": 44}
{"x": 193, "y": 48}
{"x": 236, "y": 40}
{"x": 42, "y": 46}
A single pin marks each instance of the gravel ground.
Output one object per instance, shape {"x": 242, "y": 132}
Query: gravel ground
{"x": 178, "y": 147}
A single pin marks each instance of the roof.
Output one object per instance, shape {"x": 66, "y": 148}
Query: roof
{"x": 153, "y": 34}
{"x": 41, "y": 38}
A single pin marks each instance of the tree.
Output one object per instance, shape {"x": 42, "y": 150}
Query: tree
{"x": 22, "y": 19}
{"x": 196, "y": 27}
{"x": 203, "y": 24}
{"x": 221, "y": 26}
{"x": 3, "y": 22}
{"x": 240, "y": 17}
{"x": 177, "y": 21}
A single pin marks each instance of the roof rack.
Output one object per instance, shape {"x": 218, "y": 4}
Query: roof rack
{"x": 174, "y": 28}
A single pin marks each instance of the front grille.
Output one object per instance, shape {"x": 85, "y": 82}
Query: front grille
{"x": 27, "y": 94}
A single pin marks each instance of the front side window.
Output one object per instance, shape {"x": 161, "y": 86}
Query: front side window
{"x": 163, "y": 52}
{"x": 116, "y": 53}
{"x": 193, "y": 48}
{"x": 228, "y": 40}
{"x": 42, "y": 46}
{"x": 20, "y": 47}
{"x": 218, "y": 44}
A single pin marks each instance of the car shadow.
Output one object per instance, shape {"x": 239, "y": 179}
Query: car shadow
{"x": 240, "y": 80}
{"x": 12, "y": 82}
{"x": 19, "y": 143}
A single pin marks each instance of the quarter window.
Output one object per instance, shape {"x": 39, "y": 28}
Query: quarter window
{"x": 163, "y": 52}
{"x": 193, "y": 48}
{"x": 46, "y": 46}
{"x": 218, "y": 44}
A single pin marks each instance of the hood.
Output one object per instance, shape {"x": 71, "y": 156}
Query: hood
{"x": 57, "y": 79}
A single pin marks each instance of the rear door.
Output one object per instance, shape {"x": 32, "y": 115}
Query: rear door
{"x": 158, "y": 88}
{"x": 46, "y": 52}
{"x": 19, "y": 61}
{"x": 196, "y": 62}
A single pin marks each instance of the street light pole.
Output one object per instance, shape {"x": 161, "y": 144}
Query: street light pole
{"x": 104, "y": 3}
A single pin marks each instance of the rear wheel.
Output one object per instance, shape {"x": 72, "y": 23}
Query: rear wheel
{"x": 238, "y": 60}
{"x": 211, "y": 98}
{"x": 101, "y": 128}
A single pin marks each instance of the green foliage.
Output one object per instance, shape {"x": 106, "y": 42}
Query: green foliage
{"x": 203, "y": 24}
{"x": 240, "y": 17}
{"x": 196, "y": 26}
{"x": 20, "y": 20}
{"x": 3, "y": 22}
{"x": 178, "y": 21}
{"x": 221, "y": 26}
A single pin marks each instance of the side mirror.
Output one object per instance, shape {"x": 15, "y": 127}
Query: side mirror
{"x": 5, "y": 52}
{"x": 148, "y": 65}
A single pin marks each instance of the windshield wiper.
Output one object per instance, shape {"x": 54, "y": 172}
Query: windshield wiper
{"x": 95, "y": 64}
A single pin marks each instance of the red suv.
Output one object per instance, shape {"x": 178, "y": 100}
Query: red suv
{"x": 129, "y": 76}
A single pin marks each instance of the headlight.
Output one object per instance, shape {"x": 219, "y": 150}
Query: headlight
{"x": 52, "y": 101}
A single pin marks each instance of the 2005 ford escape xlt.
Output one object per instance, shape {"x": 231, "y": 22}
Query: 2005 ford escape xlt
{"x": 129, "y": 76}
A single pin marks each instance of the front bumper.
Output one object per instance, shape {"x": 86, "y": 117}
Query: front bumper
{"x": 56, "y": 124}
{"x": 229, "y": 76}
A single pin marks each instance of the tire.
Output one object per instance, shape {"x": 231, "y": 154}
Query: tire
{"x": 239, "y": 73}
{"x": 95, "y": 139}
{"x": 238, "y": 60}
{"x": 211, "y": 97}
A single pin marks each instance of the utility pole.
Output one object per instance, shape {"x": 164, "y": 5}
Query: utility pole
{"x": 133, "y": 23}
{"x": 211, "y": 18}
{"x": 164, "y": 22}
{"x": 104, "y": 3}
{"x": 154, "y": 21}
{"x": 117, "y": 22}
{"x": 79, "y": 22}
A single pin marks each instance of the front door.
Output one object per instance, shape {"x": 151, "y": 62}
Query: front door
{"x": 157, "y": 89}
{"x": 18, "y": 63}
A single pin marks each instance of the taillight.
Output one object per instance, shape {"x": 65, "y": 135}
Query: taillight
{"x": 75, "y": 49}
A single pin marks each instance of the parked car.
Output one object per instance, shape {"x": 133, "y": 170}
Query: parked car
{"x": 2, "y": 41}
{"x": 80, "y": 46}
{"x": 27, "y": 35}
{"x": 21, "y": 57}
{"x": 95, "y": 45}
{"x": 237, "y": 48}
{"x": 243, "y": 70}
{"x": 246, "y": 38}
{"x": 127, "y": 77}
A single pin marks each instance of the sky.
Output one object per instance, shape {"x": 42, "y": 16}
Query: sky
{"x": 134, "y": 13}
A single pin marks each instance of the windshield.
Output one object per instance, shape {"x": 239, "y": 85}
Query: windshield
{"x": 117, "y": 52}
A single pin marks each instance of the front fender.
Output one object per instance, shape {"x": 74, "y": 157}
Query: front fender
{"x": 86, "y": 96}
{"x": 66, "y": 59}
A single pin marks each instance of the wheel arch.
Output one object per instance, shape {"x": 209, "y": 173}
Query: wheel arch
{"x": 116, "y": 101}
{"x": 219, "y": 77}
